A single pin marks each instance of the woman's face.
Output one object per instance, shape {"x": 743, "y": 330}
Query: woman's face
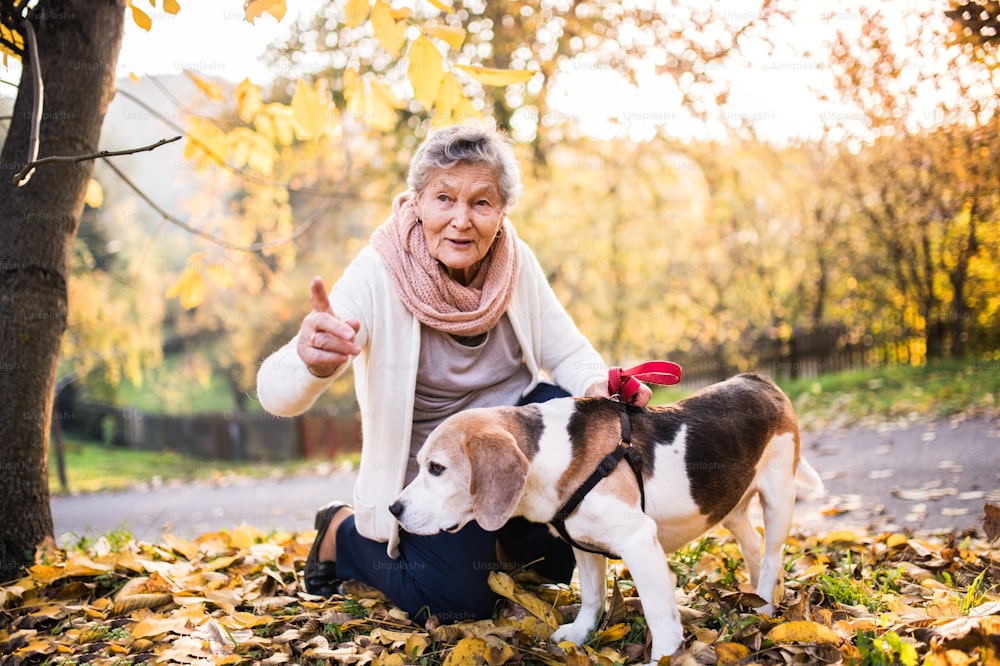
{"x": 461, "y": 211}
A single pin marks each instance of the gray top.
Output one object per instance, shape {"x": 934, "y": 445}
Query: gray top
{"x": 455, "y": 374}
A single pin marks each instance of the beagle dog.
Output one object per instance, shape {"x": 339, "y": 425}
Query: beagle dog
{"x": 703, "y": 459}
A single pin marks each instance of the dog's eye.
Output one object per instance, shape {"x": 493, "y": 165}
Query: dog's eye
{"x": 435, "y": 468}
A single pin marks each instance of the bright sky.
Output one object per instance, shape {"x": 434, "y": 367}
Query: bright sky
{"x": 212, "y": 37}
{"x": 215, "y": 39}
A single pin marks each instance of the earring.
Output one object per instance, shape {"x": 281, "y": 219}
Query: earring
{"x": 499, "y": 232}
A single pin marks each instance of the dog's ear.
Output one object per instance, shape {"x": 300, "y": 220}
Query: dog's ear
{"x": 499, "y": 472}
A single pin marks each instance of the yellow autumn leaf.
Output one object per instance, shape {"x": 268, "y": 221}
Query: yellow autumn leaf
{"x": 389, "y": 636}
{"x": 133, "y": 602}
{"x": 255, "y": 8}
{"x": 248, "y": 100}
{"x": 416, "y": 644}
{"x": 496, "y": 655}
{"x": 391, "y": 33}
{"x": 356, "y": 12}
{"x": 451, "y": 35}
{"x": 171, "y": 6}
{"x": 95, "y": 194}
{"x": 443, "y": 6}
{"x": 465, "y": 110}
{"x": 189, "y": 288}
{"x": 505, "y": 586}
{"x": 140, "y": 17}
{"x": 181, "y": 546}
{"x": 803, "y": 631}
{"x": 49, "y": 612}
{"x": 206, "y": 144}
{"x": 251, "y": 149}
{"x": 379, "y": 106}
{"x": 245, "y": 536}
{"x": 352, "y": 80}
{"x": 212, "y": 90}
{"x": 490, "y": 76}
{"x": 836, "y": 536}
{"x": 154, "y": 626}
{"x": 425, "y": 70}
{"x": 221, "y": 276}
{"x": 308, "y": 112}
{"x": 36, "y": 646}
{"x": 448, "y": 97}
{"x": 613, "y": 633}
{"x": 896, "y": 539}
{"x": 80, "y": 565}
{"x": 469, "y": 651}
{"x": 244, "y": 620}
{"x": 46, "y": 573}
{"x": 10, "y": 36}
{"x": 730, "y": 653}
{"x": 400, "y": 13}
{"x": 275, "y": 123}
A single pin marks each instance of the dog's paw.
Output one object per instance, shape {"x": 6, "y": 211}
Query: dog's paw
{"x": 570, "y": 632}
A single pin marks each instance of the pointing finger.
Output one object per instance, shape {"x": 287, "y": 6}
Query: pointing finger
{"x": 317, "y": 294}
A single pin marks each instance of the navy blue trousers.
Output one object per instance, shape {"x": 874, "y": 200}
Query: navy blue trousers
{"x": 446, "y": 574}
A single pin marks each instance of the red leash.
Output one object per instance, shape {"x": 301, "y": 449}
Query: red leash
{"x": 623, "y": 385}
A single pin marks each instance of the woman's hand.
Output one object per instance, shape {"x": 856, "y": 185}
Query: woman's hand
{"x": 325, "y": 341}
{"x": 641, "y": 399}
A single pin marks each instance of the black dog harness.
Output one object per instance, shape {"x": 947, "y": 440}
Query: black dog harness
{"x": 622, "y": 386}
{"x": 604, "y": 468}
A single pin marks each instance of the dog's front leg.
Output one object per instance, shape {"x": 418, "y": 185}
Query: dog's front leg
{"x": 656, "y": 584}
{"x": 593, "y": 590}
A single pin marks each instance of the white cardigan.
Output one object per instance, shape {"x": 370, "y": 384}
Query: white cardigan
{"x": 385, "y": 372}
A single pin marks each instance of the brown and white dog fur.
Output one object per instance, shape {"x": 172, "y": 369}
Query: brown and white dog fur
{"x": 704, "y": 459}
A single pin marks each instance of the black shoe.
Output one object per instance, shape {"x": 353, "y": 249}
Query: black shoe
{"x": 320, "y": 578}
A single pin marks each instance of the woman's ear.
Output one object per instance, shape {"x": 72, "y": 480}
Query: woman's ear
{"x": 499, "y": 474}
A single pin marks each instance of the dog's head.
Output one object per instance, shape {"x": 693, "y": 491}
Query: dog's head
{"x": 470, "y": 469}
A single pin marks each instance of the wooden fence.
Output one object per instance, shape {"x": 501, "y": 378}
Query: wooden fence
{"x": 257, "y": 436}
{"x": 805, "y": 355}
{"x": 262, "y": 437}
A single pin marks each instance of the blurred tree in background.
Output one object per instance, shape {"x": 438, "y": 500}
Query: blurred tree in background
{"x": 728, "y": 252}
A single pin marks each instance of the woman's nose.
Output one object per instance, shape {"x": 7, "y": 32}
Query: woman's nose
{"x": 461, "y": 216}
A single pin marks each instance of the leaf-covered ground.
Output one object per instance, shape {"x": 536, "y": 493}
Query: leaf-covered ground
{"x": 236, "y": 597}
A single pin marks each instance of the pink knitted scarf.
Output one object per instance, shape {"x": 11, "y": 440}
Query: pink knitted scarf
{"x": 423, "y": 283}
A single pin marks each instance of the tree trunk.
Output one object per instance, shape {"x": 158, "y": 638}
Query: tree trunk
{"x": 78, "y": 45}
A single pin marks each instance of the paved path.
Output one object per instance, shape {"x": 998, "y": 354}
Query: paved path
{"x": 923, "y": 478}
{"x": 935, "y": 477}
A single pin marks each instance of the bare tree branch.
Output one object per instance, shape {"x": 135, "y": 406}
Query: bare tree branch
{"x": 222, "y": 242}
{"x": 37, "y": 104}
{"x": 82, "y": 158}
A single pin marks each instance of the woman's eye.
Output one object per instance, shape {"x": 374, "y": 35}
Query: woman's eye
{"x": 435, "y": 469}
{"x": 442, "y": 197}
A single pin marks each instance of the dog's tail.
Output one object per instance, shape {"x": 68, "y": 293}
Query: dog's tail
{"x": 807, "y": 477}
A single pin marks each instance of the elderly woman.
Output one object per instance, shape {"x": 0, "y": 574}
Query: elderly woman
{"x": 445, "y": 310}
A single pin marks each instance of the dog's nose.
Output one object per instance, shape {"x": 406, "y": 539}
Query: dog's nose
{"x": 396, "y": 509}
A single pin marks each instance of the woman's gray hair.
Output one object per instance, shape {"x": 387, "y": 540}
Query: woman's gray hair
{"x": 470, "y": 142}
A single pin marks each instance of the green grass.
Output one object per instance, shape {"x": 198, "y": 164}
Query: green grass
{"x": 92, "y": 466}
{"x": 938, "y": 390}
{"x": 171, "y": 388}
